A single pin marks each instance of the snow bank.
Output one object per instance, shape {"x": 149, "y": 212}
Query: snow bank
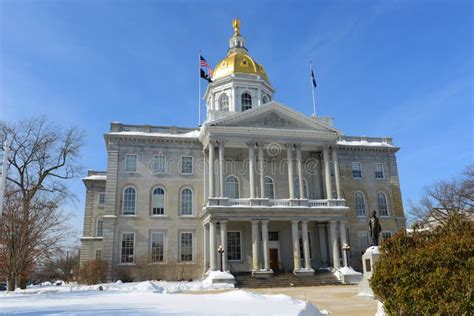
{"x": 380, "y": 309}
{"x": 374, "y": 249}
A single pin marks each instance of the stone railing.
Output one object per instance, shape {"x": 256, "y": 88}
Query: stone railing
{"x": 258, "y": 202}
{"x": 326, "y": 203}
{"x": 280, "y": 202}
{"x": 239, "y": 202}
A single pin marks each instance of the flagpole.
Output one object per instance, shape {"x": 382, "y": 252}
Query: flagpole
{"x": 199, "y": 84}
{"x": 312, "y": 88}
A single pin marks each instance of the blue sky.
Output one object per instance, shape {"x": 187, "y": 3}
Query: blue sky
{"x": 384, "y": 68}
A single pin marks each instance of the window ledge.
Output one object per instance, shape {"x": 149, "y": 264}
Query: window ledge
{"x": 186, "y": 262}
{"x": 127, "y": 264}
{"x": 159, "y": 216}
{"x": 129, "y": 216}
{"x": 187, "y": 216}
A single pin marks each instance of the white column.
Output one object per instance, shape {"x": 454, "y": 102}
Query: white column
{"x": 291, "y": 178}
{"x": 304, "y": 232}
{"x": 252, "y": 168}
{"x": 221, "y": 168}
{"x": 335, "y": 248}
{"x": 300, "y": 171}
{"x": 266, "y": 259}
{"x": 322, "y": 242}
{"x": 296, "y": 245}
{"x": 342, "y": 232}
{"x": 327, "y": 173}
{"x": 336, "y": 172}
{"x": 255, "y": 240}
{"x": 212, "y": 246}
{"x": 260, "y": 168}
{"x": 211, "y": 168}
{"x": 206, "y": 247}
{"x": 224, "y": 244}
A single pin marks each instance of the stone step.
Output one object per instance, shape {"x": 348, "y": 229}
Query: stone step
{"x": 246, "y": 280}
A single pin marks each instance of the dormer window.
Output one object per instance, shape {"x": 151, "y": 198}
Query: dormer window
{"x": 246, "y": 102}
{"x": 264, "y": 99}
{"x": 224, "y": 103}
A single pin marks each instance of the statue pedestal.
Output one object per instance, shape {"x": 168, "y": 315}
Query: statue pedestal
{"x": 369, "y": 258}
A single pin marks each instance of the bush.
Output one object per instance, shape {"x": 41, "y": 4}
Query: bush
{"x": 93, "y": 271}
{"x": 427, "y": 272}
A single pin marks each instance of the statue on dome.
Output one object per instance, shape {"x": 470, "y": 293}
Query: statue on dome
{"x": 236, "y": 26}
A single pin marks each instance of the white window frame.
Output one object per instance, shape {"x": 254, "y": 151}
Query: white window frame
{"x": 242, "y": 103}
{"x": 221, "y": 97}
{"x": 365, "y": 204}
{"x": 386, "y": 203}
{"x": 98, "y": 257}
{"x": 99, "y": 219}
{"x": 100, "y": 203}
{"x": 135, "y": 201}
{"x": 165, "y": 246}
{"x": 193, "y": 240}
{"x": 126, "y": 163}
{"x": 305, "y": 186}
{"x": 273, "y": 187}
{"x": 238, "y": 186}
{"x": 241, "y": 245}
{"x": 164, "y": 201}
{"x": 155, "y": 159}
{"x": 181, "y": 165}
{"x": 383, "y": 171}
{"x": 181, "y": 199}
{"x": 353, "y": 170}
{"x": 134, "y": 247}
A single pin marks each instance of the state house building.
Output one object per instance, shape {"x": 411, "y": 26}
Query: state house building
{"x": 277, "y": 189}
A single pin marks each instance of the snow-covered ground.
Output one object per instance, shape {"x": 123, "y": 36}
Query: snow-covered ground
{"x": 148, "y": 298}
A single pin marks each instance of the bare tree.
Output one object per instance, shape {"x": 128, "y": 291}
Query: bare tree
{"x": 441, "y": 198}
{"x": 42, "y": 157}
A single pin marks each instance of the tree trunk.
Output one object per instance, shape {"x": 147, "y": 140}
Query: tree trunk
{"x": 11, "y": 284}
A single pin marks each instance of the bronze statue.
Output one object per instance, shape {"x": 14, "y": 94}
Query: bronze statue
{"x": 374, "y": 229}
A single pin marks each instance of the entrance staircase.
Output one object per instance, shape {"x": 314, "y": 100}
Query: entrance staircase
{"x": 282, "y": 279}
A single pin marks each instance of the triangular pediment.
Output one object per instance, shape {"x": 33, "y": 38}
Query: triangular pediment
{"x": 273, "y": 115}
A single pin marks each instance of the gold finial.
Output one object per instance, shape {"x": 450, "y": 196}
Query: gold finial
{"x": 236, "y": 26}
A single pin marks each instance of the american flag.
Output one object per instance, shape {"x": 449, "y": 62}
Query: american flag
{"x": 203, "y": 63}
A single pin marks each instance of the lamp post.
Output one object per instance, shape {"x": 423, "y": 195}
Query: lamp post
{"x": 346, "y": 249}
{"x": 220, "y": 250}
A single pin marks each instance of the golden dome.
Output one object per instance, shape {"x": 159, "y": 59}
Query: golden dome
{"x": 238, "y": 63}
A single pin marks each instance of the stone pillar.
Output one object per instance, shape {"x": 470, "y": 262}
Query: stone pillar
{"x": 266, "y": 259}
{"x": 255, "y": 239}
{"x": 206, "y": 247}
{"x": 300, "y": 171}
{"x": 327, "y": 173}
{"x": 252, "y": 169}
{"x": 322, "y": 243}
{"x": 296, "y": 245}
{"x": 212, "y": 246}
{"x": 342, "y": 232}
{"x": 221, "y": 168}
{"x": 291, "y": 178}
{"x": 335, "y": 248}
{"x": 304, "y": 232}
{"x": 336, "y": 173}
{"x": 260, "y": 168}
{"x": 223, "y": 225}
{"x": 211, "y": 168}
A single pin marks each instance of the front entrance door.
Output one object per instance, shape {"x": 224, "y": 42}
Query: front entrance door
{"x": 274, "y": 259}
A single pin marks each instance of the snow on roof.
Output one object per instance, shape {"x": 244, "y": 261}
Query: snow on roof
{"x": 364, "y": 143}
{"x": 193, "y": 134}
{"x": 96, "y": 177}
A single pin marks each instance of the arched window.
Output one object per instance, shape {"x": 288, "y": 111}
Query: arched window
{"x": 382, "y": 204}
{"x": 360, "y": 204}
{"x": 232, "y": 187}
{"x": 129, "y": 201}
{"x": 100, "y": 227}
{"x": 246, "y": 101}
{"x": 158, "y": 201}
{"x": 297, "y": 188}
{"x": 224, "y": 102}
{"x": 264, "y": 99}
{"x": 186, "y": 202}
{"x": 269, "y": 188}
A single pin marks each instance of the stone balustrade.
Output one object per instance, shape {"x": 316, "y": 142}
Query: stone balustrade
{"x": 247, "y": 202}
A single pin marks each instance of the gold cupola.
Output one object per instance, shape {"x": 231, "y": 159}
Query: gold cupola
{"x": 238, "y": 61}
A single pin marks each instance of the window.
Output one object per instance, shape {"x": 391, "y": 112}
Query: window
{"x": 233, "y": 246}
{"x": 273, "y": 236}
{"x": 130, "y": 163}
{"x": 269, "y": 188}
{"x": 100, "y": 227}
{"x": 186, "y": 247}
{"x": 101, "y": 199}
{"x": 231, "y": 188}
{"x": 186, "y": 201}
{"x": 379, "y": 171}
{"x": 129, "y": 198}
{"x": 264, "y": 99}
{"x": 187, "y": 165}
{"x": 386, "y": 235}
{"x": 98, "y": 254}
{"x": 224, "y": 103}
{"x": 158, "y": 202}
{"x": 363, "y": 240}
{"x": 382, "y": 204}
{"x": 356, "y": 170}
{"x": 159, "y": 164}
{"x": 360, "y": 204}
{"x": 246, "y": 101}
{"x": 128, "y": 244}
{"x": 157, "y": 244}
{"x": 297, "y": 188}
